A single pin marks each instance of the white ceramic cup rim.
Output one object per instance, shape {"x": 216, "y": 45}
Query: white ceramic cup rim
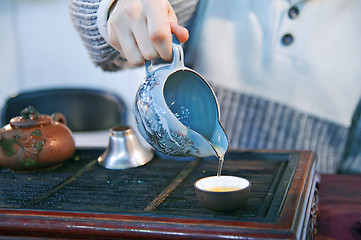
{"x": 222, "y": 181}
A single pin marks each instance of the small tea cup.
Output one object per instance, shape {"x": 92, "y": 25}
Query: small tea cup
{"x": 222, "y": 193}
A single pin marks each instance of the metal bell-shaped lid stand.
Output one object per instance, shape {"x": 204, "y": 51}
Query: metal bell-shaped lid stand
{"x": 124, "y": 150}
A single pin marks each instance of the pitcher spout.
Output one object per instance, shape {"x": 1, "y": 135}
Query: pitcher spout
{"x": 219, "y": 141}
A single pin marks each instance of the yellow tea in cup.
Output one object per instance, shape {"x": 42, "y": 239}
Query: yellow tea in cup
{"x": 222, "y": 189}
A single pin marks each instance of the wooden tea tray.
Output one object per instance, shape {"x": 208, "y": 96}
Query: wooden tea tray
{"x": 81, "y": 199}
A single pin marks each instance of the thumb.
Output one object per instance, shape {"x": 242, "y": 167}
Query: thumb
{"x": 180, "y": 32}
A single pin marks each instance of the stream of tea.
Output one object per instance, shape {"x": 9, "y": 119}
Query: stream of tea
{"x": 220, "y": 154}
{"x": 220, "y": 166}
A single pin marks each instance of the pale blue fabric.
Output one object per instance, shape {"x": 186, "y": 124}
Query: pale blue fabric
{"x": 351, "y": 161}
{"x": 255, "y": 123}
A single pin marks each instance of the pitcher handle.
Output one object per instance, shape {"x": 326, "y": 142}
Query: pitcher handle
{"x": 178, "y": 57}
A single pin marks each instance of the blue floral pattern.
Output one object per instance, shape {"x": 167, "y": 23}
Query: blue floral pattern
{"x": 152, "y": 124}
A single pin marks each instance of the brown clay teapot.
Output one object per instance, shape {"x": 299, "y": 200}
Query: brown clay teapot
{"x": 33, "y": 141}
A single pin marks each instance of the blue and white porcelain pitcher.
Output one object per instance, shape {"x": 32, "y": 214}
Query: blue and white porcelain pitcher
{"x": 177, "y": 111}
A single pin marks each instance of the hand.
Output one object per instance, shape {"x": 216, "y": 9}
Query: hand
{"x": 142, "y": 29}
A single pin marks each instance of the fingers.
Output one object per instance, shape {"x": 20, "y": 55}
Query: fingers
{"x": 159, "y": 28}
{"x": 142, "y": 30}
{"x": 121, "y": 33}
{"x": 141, "y": 36}
{"x": 124, "y": 42}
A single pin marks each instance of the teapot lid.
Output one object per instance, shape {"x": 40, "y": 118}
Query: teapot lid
{"x": 30, "y": 117}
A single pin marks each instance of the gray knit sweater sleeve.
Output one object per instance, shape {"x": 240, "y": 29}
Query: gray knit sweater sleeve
{"x": 84, "y": 15}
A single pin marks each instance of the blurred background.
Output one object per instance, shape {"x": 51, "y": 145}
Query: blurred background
{"x": 39, "y": 48}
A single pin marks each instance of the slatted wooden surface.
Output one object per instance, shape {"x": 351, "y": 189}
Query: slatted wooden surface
{"x": 163, "y": 187}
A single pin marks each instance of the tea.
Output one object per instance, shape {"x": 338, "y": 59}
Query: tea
{"x": 222, "y": 189}
{"x": 220, "y": 165}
